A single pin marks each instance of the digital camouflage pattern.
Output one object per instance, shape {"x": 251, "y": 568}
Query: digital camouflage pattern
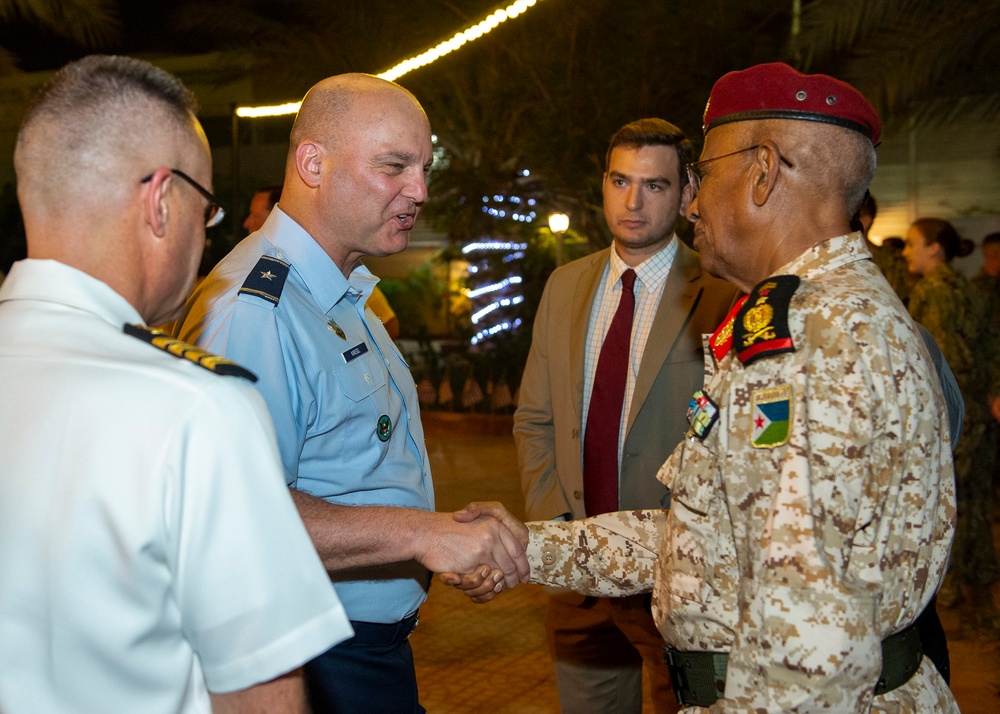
{"x": 799, "y": 558}
{"x": 959, "y": 318}
{"x": 943, "y": 302}
{"x": 988, "y": 302}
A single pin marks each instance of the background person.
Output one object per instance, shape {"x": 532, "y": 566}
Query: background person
{"x": 888, "y": 255}
{"x": 599, "y": 645}
{"x": 288, "y": 302}
{"x": 947, "y": 304}
{"x": 151, "y": 559}
{"x": 261, "y": 203}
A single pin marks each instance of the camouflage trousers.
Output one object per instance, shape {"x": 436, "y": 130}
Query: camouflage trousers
{"x": 973, "y": 556}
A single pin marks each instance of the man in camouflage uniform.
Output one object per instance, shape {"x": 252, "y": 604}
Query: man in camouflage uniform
{"x": 813, "y": 500}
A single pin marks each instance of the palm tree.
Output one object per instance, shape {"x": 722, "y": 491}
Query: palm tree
{"x": 931, "y": 61}
{"x": 90, "y": 23}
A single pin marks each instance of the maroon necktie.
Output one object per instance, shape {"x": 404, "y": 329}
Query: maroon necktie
{"x": 604, "y": 416}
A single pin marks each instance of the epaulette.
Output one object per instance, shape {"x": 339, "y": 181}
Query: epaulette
{"x": 722, "y": 339}
{"x": 761, "y": 327}
{"x": 266, "y": 280}
{"x": 184, "y": 350}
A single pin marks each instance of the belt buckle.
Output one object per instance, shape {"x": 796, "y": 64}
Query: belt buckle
{"x": 677, "y": 679}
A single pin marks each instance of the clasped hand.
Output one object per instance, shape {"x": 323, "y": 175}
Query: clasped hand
{"x": 490, "y": 579}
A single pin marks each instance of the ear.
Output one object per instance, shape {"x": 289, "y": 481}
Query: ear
{"x": 687, "y": 195}
{"x": 764, "y": 171}
{"x": 156, "y": 212}
{"x": 309, "y": 157}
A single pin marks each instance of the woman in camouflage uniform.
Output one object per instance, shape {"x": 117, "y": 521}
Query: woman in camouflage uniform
{"x": 946, "y": 303}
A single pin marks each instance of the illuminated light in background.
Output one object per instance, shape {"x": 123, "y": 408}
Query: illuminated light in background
{"x": 512, "y": 280}
{"x": 412, "y": 63}
{"x": 459, "y": 39}
{"x": 506, "y": 302}
{"x": 558, "y": 222}
{"x": 268, "y": 111}
{"x": 493, "y": 245}
{"x": 489, "y": 332}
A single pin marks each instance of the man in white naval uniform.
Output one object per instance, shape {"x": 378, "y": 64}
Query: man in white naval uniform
{"x": 151, "y": 559}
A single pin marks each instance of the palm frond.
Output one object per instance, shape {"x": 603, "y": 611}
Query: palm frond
{"x": 925, "y": 60}
{"x": 91, "y": 23}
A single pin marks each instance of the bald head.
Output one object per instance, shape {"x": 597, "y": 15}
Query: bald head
{"x": 335, "y": 108}
{"x": 355, "y": 178}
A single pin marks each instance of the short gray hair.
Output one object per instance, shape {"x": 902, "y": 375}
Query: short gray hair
{"x": 94, "y": 113}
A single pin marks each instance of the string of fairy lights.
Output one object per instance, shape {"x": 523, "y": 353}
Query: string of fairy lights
{"x": 498, "y": 206}
{"x": 471, "y": 34}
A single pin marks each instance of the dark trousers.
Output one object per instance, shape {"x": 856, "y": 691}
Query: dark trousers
{"x": 371, "y": 673}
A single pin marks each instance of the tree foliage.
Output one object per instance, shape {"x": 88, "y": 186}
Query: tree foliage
{"x": 930, "y": 61}
{"x": 90, "y": 23}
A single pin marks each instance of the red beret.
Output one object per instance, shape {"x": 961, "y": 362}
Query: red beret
{"x": 777, "y": 91}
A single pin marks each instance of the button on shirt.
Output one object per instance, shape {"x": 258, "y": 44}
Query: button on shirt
{"x": 651, "y": 276}
{"x": 329, "y": 400}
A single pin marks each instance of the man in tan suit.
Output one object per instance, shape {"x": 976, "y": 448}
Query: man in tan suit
{"x": 599, "y": 645}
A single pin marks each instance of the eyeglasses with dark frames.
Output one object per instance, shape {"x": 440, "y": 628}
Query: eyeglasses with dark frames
{"x": 214, "y": 211}
{"x": 694, "y": 168}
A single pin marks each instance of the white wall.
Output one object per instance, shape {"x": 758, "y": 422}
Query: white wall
{"x": 948, "y": 172}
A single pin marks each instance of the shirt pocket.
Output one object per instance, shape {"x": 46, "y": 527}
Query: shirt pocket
{"x": 693, "y": 523}
{"x": 362, "y": 377}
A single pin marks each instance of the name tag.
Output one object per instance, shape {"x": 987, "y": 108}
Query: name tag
{"x": 355, "y": 352}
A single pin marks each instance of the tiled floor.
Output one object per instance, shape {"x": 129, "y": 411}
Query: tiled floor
{"x": 492, "y": 658}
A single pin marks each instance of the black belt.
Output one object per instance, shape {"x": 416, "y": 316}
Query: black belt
{"x": 699, "y": 678}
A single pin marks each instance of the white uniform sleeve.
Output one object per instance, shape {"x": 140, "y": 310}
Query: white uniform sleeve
{"x": 254, "y": 599}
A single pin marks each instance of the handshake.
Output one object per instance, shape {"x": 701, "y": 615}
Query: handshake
{"x": 481, "y": 552}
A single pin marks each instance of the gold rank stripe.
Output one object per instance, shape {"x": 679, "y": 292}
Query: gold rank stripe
{"x": 185, "y": 350}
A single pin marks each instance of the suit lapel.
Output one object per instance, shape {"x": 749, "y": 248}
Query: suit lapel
{"x": 583, "y": 300}
{"x": 679, "y": 293}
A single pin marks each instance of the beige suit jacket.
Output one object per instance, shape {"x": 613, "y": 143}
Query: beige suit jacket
{"x": 548, "y": 421}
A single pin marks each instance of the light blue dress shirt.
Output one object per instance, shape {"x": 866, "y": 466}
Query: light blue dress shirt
{"x": 335, "y": 385}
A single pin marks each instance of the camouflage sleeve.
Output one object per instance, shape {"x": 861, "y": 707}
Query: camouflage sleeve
{"x": 611, "y": 555}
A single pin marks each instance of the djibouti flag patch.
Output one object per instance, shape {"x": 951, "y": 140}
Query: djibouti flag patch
{"x": 771, "y": 416}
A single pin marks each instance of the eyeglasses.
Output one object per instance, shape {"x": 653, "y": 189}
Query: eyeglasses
{"x": 214, "y": 211}
{"x": 694, "y": 168}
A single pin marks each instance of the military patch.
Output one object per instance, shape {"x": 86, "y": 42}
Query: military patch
{"x": 383, "y": 429}
{"x": 702, "y": 414}
{"x": 266, "y": 280}
{"x": 761, "y": 326}
{"x": 771, "y": 416}
{"x": 722, "y": 339}
{"x": 184, "y": 350}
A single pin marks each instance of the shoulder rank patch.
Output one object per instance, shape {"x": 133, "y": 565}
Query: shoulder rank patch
{"x": 771, "y": 416}
{"x": 184, "y": 350}
{"x": 266, "y": 280}
{"x": 722, "y": 339}
{"x": 761, "y": 327}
